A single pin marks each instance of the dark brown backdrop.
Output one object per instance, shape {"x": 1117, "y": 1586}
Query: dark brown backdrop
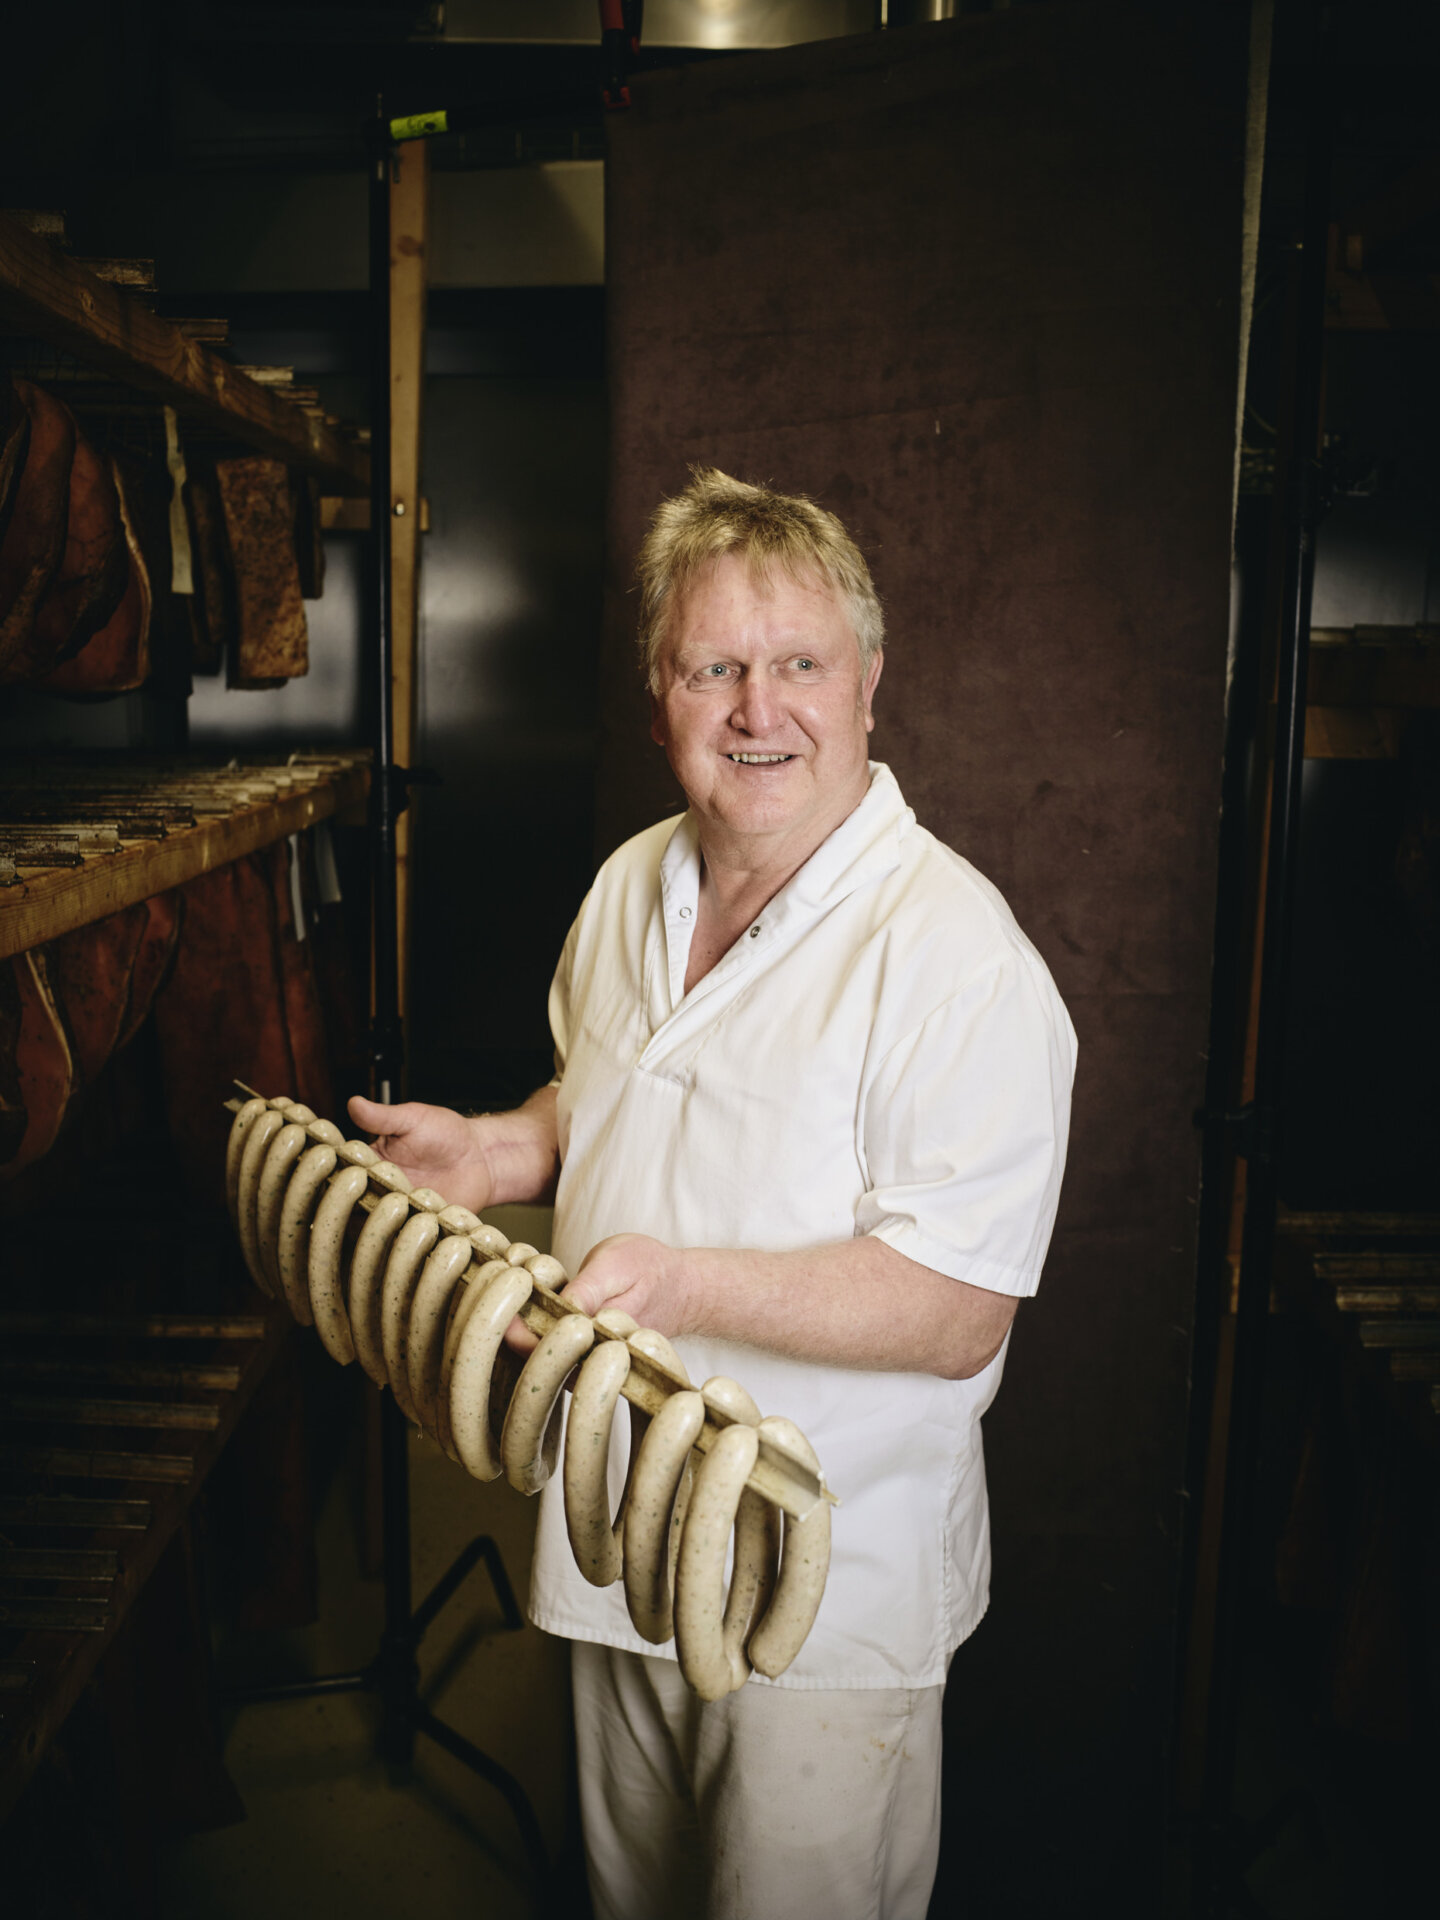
{"x": 976, "y": 287}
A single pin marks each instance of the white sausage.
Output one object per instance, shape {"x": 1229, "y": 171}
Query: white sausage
{"x": 463, "y": 1303}
{"x": 285, "y": 1149}
{"x": 700, "y": 1638}
{"x": 327, "y": 1133}
{"x": 804, "y": 1563}
{"x": 594, "y": 1537}
{"x": 531, "y": 1434}
{"x": 490, "y": 1240}
{"x": 235, "y": 1146}
{"x": 546, "y": 1271}
{"x": 367, "y": 1279}
{"x": 653, "y": 1486}
{"x": 387, "y": 1174}
{"x": 429, "y": 1312}
{"x": 355, "y": 1153}
{"x": 292, "y": 1243}
{"x": 327, "y": 1244}
{"x": 458, "y": 1219}
{"x": 473, "y": 1369}
{"x": 519, "y": 1251}
{"x": 247, "y": 1192}
{"x": 402, "y": 1270}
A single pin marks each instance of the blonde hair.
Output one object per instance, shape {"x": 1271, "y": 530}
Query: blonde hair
{"x": 716, "y": 515}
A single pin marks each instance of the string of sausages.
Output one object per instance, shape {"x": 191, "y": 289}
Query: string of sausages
{"x": 421, "y": 1293}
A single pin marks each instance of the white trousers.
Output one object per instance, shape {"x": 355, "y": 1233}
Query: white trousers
{"x": 771, "y": 1804}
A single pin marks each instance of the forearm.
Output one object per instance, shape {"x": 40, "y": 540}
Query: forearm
{"x": 858, "y": 1303}
{"x": 520, "y": 1150}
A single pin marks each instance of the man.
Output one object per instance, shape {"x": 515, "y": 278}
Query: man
{"x": 809, "y": 1121}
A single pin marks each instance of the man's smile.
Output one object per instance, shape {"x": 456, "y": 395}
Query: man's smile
{"x": 759, "y": 759}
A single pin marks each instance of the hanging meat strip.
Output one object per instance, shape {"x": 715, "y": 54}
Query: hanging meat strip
{"x": 117, "y": 657}
{"x": 152, "y": 962}
{"x": 90, "y": 972}
{"x": 93, "y": 571}
{"x": 35, "y": 539}
{"x": 304, "y": 1020}
{"x": 43, "y": 1064}
{"x": 272, "y": 645}
{"x": 14, "y": 444}
{"x": 213, "y": 612}
{"x": 221, "y": 1013}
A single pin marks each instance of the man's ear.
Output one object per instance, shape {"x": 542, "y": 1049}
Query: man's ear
{"x": 657, "y": 722}
{"x": 867, "y": 691}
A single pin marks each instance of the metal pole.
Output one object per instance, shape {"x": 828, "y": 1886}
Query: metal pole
{"x": 1260, "y": 1144}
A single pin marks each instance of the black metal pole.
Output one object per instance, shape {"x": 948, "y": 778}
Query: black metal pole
{"x": 1262, "y": 1138}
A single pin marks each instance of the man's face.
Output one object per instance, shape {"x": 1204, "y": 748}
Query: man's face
{"x": 762, "y": 709}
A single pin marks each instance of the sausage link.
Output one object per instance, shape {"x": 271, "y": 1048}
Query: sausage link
{"x": 804, "y": 1564}
{"x": 519, "y": 1251}
{"x": 387, "y": 1174}
{"x": 700, "y": 1637}
{"x": 471, "y": 1376}
{"x": 594, "y": 1537}
{"x": 653, "y": 1487}
{"x": 327, "y": 1245}
{"x": 463, "y": 1303}
{"x": 402, "y": 1270}
{"x": 530, "y": 1437}
{"x": 429, "y": 1312}
{"x": 459, "y": 1219}
{"x": 730, "y": 1401}
{"x": 491, "y": 1242}
{"x": 235, "y": 1146}
{"x": 546, "y": 1271}
{"x": 367, "y": 1280}
{"x": 247, "y": 1192}
{"x": 327, "y": 1134}
{"x": 292, "y": 1243}
{"x": 285, "y": 1149}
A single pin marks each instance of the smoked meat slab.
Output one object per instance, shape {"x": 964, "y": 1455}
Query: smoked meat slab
{"x": 35, "y": 539}
{"x": 272, "y": 642}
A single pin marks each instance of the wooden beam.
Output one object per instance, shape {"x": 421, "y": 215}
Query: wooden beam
{"x": 45, "y": 294}
{"x": 409, "y": 219}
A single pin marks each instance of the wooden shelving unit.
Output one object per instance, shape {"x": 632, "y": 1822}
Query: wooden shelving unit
{"x": 53, "y": 298}
{"x": 253, "y": 806}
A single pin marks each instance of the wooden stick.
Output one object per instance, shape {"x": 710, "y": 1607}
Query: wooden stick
{"x": 139, "y": 1326}
{"x": 55, "y": 1616}
{"x": 61, "y": 1510}
{"x": 777, "y": 1475}
{"x": 1376, "y": 1299}
{"x": 32, "y": 1408}
{"x": 120, "y": 1373}
{"x": 77, "y": 1464}
{"x": 59, "y": 1563}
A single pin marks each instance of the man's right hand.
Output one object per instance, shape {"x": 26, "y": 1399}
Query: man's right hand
{"x": 432, "y": 1146}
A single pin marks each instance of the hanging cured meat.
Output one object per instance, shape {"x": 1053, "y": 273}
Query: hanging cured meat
{"x": 117, "y": 657}
{"x": 213, "y": 616}
{"x": 304, "y": 1021}
{"x": 272, "y": 644}
{"x": 35, "y": 538}
{"x": 43, "y": 1067}
{"x": 309, "y": 542}
{"x": 14, "y": 443}
{"x": 90, "y": 971}
{"x": 222, "y": 1011}
{"x": 152, "y": 960}
{"x": 93, "y": 571}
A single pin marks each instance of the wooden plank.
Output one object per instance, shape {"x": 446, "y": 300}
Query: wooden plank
{"x": 409, "y": 220}
{"x": 44, "y": 293}
{"x": 1359, "y": 1226}
{"x": 52, "y": 903}
{"x": 1415, "y": 1363}
{"x": 55, "y": 1616}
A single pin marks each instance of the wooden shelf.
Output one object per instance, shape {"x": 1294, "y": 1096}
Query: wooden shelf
{"x": 50, "y": 901}
{"x": 56, "y": 1666}
{"x": 52, "y": 297}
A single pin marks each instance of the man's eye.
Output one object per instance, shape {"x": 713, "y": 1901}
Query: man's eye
{"x": 718, "y": 671}
{"x": 805, "y": 663}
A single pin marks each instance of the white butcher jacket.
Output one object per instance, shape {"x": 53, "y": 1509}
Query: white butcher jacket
{"x": 883, "y": 1053}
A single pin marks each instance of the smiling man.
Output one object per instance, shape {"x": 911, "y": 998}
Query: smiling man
{"x": 809, "y": 1121}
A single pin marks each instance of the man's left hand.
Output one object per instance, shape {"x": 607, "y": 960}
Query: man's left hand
{"x": 637, "y": 1275}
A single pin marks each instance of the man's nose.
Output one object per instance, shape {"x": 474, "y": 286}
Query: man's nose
{"x": 757, "y": 709}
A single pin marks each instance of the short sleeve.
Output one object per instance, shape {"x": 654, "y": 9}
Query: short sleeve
{"x": 964, "y": 1130}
